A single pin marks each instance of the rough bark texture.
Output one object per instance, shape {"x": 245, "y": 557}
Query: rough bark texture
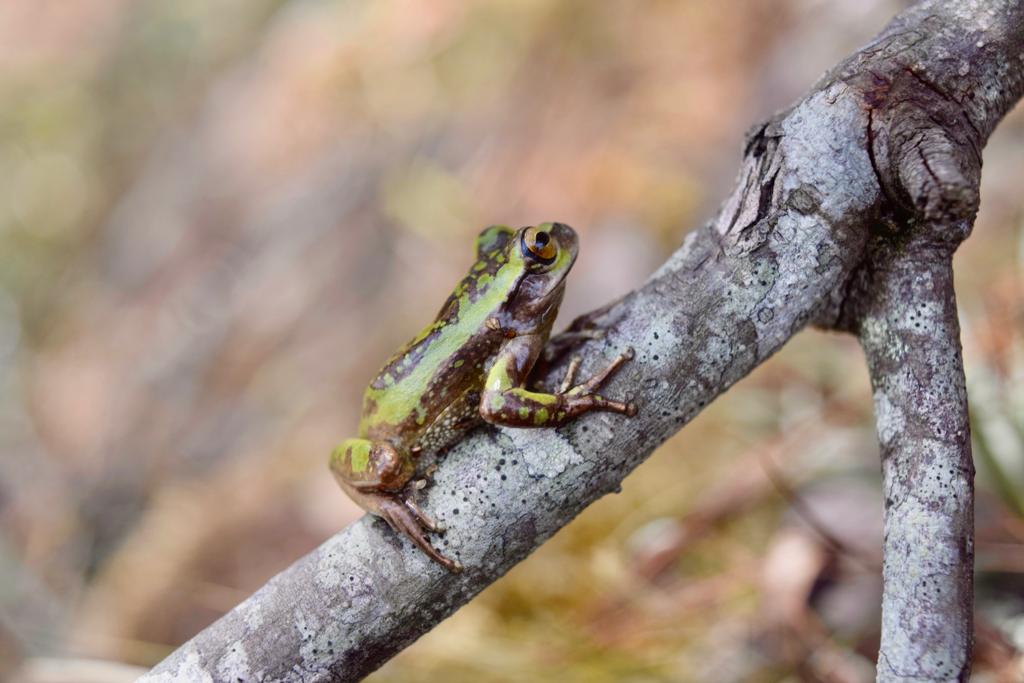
{"x": 830, "y": 194}
{"x": 911, "y": 337}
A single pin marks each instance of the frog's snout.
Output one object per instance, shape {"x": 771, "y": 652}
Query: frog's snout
{"x": 561, "y": 231}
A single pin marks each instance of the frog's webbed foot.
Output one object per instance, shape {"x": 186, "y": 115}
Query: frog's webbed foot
{"x": 583, "y": 396}
{"x": 407, "y": 519}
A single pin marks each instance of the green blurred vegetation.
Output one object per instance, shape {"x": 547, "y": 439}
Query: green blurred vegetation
{"x": 219, "y": 218}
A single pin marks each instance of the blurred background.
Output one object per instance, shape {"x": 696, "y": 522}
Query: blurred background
{"x": 218, "y": 219}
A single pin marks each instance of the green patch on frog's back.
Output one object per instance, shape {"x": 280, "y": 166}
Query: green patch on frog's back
{"x": 474, "y": 289}
{"x": 402, "y": 391}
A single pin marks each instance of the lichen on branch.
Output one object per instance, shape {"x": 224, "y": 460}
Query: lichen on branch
{"x": 888, "y": 138}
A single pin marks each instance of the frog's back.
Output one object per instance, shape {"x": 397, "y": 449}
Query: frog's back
{"x": 445, "y": 361}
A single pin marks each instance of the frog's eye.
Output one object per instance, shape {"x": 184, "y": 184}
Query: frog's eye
{"x": 538, "y": 244}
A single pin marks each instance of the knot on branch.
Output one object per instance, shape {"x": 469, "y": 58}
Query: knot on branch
{"x": 940, "y": 182}
{"x": 925, "y": 150}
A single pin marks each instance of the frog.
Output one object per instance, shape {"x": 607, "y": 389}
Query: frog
{"x": 469, "y": 366}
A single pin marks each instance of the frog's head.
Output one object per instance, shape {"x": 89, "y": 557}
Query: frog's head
{"x": 547, "y": 253}
{"x": 534, "y": 261}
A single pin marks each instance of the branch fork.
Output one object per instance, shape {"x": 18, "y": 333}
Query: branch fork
{"x": 846, "y": 213}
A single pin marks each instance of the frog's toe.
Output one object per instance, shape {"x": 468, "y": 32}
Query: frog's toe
{"x": 405, "y": 522}
{"x": 625, "y": 408}
{"x": 424, "y": 519}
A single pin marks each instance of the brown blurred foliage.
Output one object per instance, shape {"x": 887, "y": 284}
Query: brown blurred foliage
{"x": 217, "y": 220}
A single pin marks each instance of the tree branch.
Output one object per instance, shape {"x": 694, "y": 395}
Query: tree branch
{"x": 911, "y": 338}
{"x": 889, "y": 132}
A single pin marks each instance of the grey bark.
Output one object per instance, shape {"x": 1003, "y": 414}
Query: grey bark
{"x": 874, "y": 171}
{"x": 911, "y": 337}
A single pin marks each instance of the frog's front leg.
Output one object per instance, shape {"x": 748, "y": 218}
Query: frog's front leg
{"x": 506, "y": 401}
{"x": 373, "y": 474}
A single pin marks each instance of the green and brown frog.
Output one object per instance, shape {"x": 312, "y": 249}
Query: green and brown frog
{"x": 470, "y": 364}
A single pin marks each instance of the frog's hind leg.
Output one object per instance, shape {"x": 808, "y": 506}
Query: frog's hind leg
{"x": 373, "y": 474}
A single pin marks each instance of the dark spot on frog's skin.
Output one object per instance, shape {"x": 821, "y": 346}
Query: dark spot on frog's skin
{"x": 503, "y": 477}
{"x": 455, "y": 511}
